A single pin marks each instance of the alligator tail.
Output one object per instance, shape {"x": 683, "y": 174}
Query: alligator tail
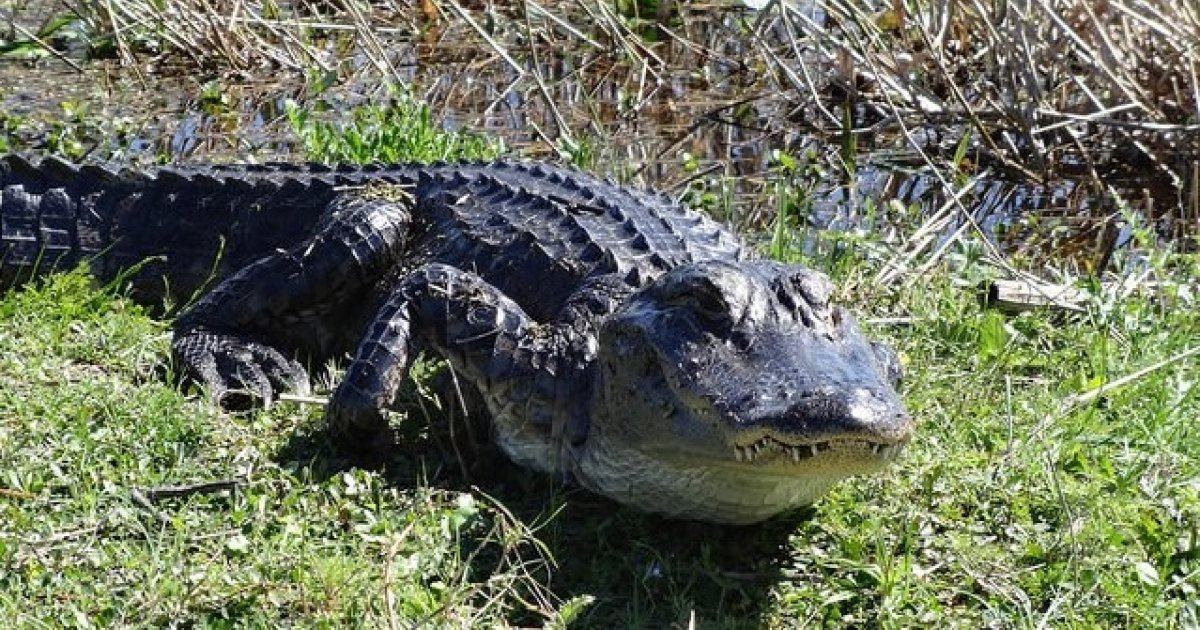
{"x": 48, "y": 218}
{"x": 177, "y": 229}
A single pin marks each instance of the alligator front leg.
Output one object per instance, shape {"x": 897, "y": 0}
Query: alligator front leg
{"x": 521, "y": 367}
{"x": 239, "y": 338}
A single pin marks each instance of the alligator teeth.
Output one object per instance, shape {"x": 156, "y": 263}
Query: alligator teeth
{"x": 804, "y": 451}
{"x": 801, "y": 452}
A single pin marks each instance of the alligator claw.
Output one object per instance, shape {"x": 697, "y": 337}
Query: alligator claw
{"x": 239, "y": 373}
{"x": 357, "y": 423}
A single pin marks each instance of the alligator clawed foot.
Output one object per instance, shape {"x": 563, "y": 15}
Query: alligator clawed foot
{"x": 239, "y": 373}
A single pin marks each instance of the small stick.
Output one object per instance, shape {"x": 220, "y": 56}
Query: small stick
{"x": 1091, "y": 395}
{"x": 301, "y": 398}
{"x": 142, "y": 501}
{"x": 1017, "y": 296}
{"x": 187, "y": 490}
{"x": 59, "y": 537}
{"x": 462, "y": 13}
{"x": 9, "y": 493}
{"x": 40, "y": 42}
{"x": 897, "y": 322}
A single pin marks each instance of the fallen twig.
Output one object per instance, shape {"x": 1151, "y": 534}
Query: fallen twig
{"x": 1017, "y": 296}
{"x": 142, "y": 501}
{"x": 102, "y": 527}
{"x": 145, "y": 498}
{"x": 31, "y": 36}
{"x": 1090, "y": 395}
{"x": 187, "y": 490}
{"x": 9, "y": 493}
{"x": 307, "y": 400}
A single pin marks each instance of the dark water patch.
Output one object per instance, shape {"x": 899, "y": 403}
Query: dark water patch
{"x": 707, "y": 102}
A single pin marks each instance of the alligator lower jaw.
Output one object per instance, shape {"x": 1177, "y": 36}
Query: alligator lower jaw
{"x": 881, "y": 452}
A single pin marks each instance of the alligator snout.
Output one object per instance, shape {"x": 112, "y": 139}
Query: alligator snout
{"x": 809, "y": 417}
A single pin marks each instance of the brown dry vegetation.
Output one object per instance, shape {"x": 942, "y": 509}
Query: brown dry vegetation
{"x": 1070, "y": 120}
{"x": 1045, "y": 85}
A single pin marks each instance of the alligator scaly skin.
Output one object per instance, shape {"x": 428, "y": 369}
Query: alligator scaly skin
{"x": 614, "y": 335}
{"x": 187, "y": 224}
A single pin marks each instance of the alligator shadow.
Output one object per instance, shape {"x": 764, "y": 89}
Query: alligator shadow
{"x": 637, "y": 569}
{"x": 648, "y": 571}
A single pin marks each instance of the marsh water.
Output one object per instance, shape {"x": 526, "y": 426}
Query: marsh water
{"x": 691, "y": 106}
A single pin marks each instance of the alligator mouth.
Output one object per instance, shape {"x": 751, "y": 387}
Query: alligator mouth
{"x": 767, "y": 446}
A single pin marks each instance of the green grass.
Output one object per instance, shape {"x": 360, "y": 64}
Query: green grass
{"x": 400, "y": 130}
{"x": 1012, "y": 508}
{"x": 87, "y": 426}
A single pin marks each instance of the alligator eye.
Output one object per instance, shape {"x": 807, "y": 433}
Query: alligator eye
{"x": 804, "y": 284}
{"x": 703, "y": 299}
{"x": 814, "y": 287}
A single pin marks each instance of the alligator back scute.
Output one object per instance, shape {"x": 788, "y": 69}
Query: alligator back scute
{"x": 196, "y": 224}
{"x": 195, "y": 229}
{"x": 43, "y": 232}
{"x": 47, "y": 216}
{"x": 19, "y": 226}
{"x": 189, "y": 225}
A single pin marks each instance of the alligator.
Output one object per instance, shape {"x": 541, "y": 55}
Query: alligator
{"x": 615, "y": 336}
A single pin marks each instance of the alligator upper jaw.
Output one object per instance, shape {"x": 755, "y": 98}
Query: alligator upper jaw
{"x": 767, "y": 448}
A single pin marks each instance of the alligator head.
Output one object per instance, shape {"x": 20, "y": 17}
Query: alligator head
{"x": 733, "y": 392}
